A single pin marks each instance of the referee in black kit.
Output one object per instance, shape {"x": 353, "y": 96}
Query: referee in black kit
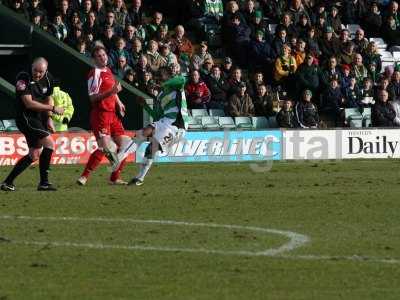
{"x": 34, "y": 107}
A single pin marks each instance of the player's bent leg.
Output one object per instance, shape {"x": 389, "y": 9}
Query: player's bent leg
{"x": 44, "y": 164}
{"x": 122, "y": 142}
{"x": 132, "y": 145}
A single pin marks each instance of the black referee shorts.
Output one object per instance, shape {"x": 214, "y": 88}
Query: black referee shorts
{"x": 33, "y": 129}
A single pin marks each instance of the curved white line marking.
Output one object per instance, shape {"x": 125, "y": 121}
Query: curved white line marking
{"x": 296, "y": 240}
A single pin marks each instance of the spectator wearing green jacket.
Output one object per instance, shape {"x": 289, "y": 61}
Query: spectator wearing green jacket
{"x": 62, "y": 99}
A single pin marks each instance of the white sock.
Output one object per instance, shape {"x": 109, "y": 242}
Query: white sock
{"x": 144, "y": 168}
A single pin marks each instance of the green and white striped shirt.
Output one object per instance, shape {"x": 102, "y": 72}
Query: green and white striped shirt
{"x": 171, "y": 102}
{"x": 214, "y": 8}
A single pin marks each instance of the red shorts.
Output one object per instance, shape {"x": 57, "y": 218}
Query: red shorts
{"x": 106, "y": 123}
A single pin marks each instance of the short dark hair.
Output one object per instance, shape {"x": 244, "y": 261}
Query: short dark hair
{"x": 97, "y": 48}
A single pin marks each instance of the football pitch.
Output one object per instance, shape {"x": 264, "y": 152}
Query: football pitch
{"x": 303, "y": 230}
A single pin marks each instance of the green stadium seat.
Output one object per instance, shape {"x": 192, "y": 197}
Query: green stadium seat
{"x": 272, "y": 122}
{"x": 198, "y": 113}
{"x": 226, "y": 122}
{"x": 2, "y": 127}
{"x": 10, "y": 125}
{"x": 217, "y": 113}
{"x": 353, "y": 117}
{"x": 260, "y": 122}
{"x": 209, "y": 122}
{"x": 243, "y": 122}
{"x": 194, "y": 123}
{"x": 367, "y": 117}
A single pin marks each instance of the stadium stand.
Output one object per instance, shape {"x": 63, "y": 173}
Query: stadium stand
{"x": 247, "y": 34}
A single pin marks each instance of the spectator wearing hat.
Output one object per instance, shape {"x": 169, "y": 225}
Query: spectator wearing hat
{"x": 371, "y": 55}
{"x": 383, "y": 114}
{"x": 197, "y": 92}
{"x": 286, "y": 117}
{"x": 308, "y": 75}
{"x": 333, "y": 104}
{"x": 258, "y": 24}
{"x": 306, "y": 112}
{"x": 58, "y": 29}
{"x": 153, "y": 56}
{"x": 240, "y": 103}
{"x": 372, "y": 21}
{"x": 260, "y": 55}
{"x": 201, "y": 55}
{"x": 226, "y": 68}
{"x": 36, "y": 7}
{"x": 218, "y": 87}
{"x": 328, "y": 44}
{"x": 38, "y": 19}
{"x": 205, "y": 68}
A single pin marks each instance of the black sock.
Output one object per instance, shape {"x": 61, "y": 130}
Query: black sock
{"x": 44, "y": 164}
{"x": 21, "y": 166}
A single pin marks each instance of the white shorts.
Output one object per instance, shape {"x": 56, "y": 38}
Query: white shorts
{"x": 166, "y": 134}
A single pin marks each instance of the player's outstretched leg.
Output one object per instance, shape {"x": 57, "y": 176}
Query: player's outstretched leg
{"x": 144, "y": 168}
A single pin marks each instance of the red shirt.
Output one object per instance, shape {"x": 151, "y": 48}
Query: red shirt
{"x": 101, "y": 80}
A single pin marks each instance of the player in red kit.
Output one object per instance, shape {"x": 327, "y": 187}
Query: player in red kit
{"x": 107, "y": 127}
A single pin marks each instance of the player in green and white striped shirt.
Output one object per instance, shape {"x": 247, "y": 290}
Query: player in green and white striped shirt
{"x": 170, "y": 121}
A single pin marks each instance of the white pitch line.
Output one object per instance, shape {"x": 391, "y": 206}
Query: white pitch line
{"x": 296, "y": 240}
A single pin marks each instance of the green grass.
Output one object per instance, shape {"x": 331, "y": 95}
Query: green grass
{"x": 346, "y": 208}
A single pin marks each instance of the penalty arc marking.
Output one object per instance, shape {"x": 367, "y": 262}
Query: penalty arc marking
{"x": 296, "y": 240}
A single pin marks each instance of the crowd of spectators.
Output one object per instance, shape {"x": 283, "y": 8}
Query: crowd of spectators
{"x": 305, "y": 69}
